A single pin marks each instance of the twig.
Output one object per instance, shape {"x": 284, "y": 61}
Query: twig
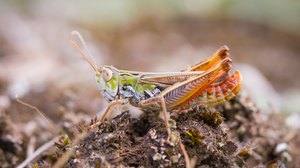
{"x": 31, "y": 145}
{"x": 185, "y": 154}
{"x": 39, "y": 151}
{"x": 64, "y": 158}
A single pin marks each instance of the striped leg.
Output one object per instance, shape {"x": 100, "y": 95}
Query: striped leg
{"x": 218, "y": 56}
{"x": 161, "y": 100}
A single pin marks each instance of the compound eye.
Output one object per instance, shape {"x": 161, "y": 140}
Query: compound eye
{"x": 107, "y": 74}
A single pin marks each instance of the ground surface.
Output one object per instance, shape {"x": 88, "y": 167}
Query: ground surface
{"x": 240, "y": 136}
{"x": 233, "y": 135}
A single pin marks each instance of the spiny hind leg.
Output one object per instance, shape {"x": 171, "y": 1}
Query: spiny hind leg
{"x": 161, "y": 100}
{"x": 218, "y": 56}
{"x": 106, "y": 110}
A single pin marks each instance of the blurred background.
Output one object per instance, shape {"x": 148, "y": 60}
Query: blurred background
{"x": 152, "y": 36}
{"x": 38, "y": 64}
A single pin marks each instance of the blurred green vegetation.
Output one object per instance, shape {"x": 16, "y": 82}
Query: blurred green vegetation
{"x": 279, "y": 14}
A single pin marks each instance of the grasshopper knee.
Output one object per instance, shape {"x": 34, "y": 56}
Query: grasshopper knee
{"x": 150, "y": 101}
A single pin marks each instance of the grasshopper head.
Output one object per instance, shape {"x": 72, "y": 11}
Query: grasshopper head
{"x": 108, "y": 82}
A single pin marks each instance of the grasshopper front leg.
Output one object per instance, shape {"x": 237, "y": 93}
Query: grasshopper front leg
{"x": 106, "y": 110}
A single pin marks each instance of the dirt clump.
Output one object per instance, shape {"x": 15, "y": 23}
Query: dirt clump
{"x": 232, "y": 135}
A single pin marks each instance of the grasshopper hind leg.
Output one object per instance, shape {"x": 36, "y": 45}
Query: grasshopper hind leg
{"x": 161, "y": 100}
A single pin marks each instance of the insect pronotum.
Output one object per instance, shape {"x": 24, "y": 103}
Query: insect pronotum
{"x": 207, "y": 83}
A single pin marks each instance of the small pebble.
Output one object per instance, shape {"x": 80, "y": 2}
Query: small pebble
{"x": 174, "y": 159}
{"x": 152, "y": 133}
{"x": 157, "y": 156}
{"x": 281, "y": 147}
{"x": 287, "y": 156}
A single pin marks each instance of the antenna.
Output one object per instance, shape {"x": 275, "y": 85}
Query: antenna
{"x": 50, "y": 122}
{"x": 79, "y": 44}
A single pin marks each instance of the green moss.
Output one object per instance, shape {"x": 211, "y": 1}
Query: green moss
{"x": 211, "y": 117}
{"x": 63, "y": 141}
{"x": 194, "y": 136}
{"x": 52, "y": 157}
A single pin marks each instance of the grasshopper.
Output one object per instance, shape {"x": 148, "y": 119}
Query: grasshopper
{"x": 207, "y": 83}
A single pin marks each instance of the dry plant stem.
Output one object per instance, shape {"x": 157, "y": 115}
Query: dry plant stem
{"x": 31, "y": 145}
{"x": 107, "y": 109}
{"x": 38, "y": 152}
{"x": 50, "y": 123}
{"x": 185, "y": 154}
{"x": 65, "y": 157}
